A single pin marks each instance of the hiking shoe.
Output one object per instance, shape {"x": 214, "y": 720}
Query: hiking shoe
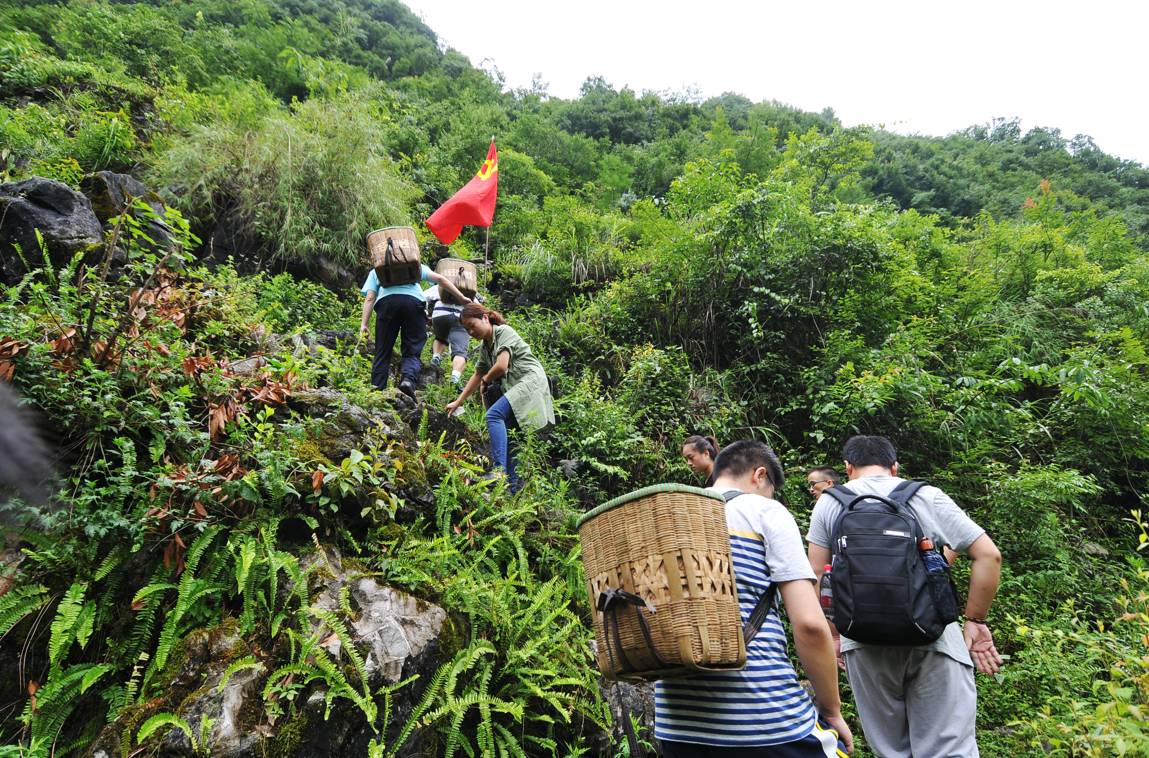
{"x": 436, "y": 360}
{"x": 494, "y": 475}
{"x": 407, "y": 387}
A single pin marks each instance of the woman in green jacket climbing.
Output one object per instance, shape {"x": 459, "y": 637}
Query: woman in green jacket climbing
{"x": 526, "y": 402}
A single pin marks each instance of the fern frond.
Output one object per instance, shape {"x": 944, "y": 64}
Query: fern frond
{"x": 19, "y": 603}
{"x": 56, "y": 700}
{"x": 110, "y": 562}
{"x": 165, "y": 719}
{"x": 64, "y": 624}
{"x": 247, "y": 662}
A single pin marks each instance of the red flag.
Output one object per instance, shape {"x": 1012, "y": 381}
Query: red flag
{"x": 473, "y": 205}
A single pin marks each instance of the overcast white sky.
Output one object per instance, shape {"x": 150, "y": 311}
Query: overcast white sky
{"x": 926, "y": 66}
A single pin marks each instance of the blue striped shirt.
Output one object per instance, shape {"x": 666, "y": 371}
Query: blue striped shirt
{"x": 762, "y": 704}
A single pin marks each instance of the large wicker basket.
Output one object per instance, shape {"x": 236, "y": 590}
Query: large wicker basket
{"x": 661, "y": 584}
{"x": 394, "y": 253}
{"x": 462, "y": 274}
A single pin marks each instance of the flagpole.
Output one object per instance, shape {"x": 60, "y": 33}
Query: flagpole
{"x": 487, "y": 243}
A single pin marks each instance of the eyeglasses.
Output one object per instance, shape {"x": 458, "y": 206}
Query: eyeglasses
{"x": 814, "y": 485}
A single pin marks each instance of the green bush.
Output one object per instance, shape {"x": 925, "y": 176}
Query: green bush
{"x": 309, "y": 183}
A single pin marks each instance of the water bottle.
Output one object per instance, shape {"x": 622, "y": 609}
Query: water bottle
{"x": 826, "y": 593}
{"x": 935, "y": 561}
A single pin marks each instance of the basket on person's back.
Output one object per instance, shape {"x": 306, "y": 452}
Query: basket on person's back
{"x": 394, "y": 253}
{"x": 463, "y": 274}
{"x": 661, "y": 584}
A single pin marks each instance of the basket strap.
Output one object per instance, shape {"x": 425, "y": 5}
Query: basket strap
{"x": 761, "y": 610}
{"x": 608, "y": 603}
{"x": 388, "y": 254}
{"x": 758, "y": 616}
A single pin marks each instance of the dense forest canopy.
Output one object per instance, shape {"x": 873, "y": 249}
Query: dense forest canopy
{"x": 680, "y": 266}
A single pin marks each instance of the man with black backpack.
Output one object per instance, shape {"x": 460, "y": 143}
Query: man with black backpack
{"x": 910, "y": 665}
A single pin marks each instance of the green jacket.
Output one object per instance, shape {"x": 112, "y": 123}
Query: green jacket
{"x": 525, "y": 382}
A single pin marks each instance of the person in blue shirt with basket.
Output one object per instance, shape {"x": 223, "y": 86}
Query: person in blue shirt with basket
{"x": 392, "y": 291}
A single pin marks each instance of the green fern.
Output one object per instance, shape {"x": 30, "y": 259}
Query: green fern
{"x": 56, "y": 700}
{"x": 170, "y": 720}
{"x": 19, "y": 603}
{"x": 247, "y": 662}
{"x": 64, "y": 625}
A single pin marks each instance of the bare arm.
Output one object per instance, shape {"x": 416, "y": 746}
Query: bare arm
{"x": 819, "y": 558}
{"x": 368, "y": 305}
{"x": 502, "y": 364}
{"x": 984, "y": 576}
{"x": 468, "y": 389}
{"x": 443, "y": 281}
{"x": 816, "y": 651}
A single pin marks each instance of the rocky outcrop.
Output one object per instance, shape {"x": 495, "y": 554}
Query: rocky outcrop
{"x": 347, "y": 426}
{"x": 396, "y": 635}
{"x": 64, "y": 218}
{"x": 111, "y": 194}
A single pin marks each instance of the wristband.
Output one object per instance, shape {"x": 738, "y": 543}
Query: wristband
{"x": 972, "y": 620}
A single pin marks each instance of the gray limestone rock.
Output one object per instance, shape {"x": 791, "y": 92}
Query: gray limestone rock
{"x": 63, "y": 217}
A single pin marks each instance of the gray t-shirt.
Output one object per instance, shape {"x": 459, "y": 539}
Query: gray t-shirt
{"x": 940, "y": 518}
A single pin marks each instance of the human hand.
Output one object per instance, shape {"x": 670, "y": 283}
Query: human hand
{"x": 362, "y": 331}
{"x": 841, "y": 659}
{"x": 839, "y": 725}
{"x": 452, "y": 406}
{"x": 979, "y": 642}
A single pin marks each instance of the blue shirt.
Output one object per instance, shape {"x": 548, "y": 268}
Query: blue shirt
{"x": 763, "y": 704}
{"x": 413, "y": 289}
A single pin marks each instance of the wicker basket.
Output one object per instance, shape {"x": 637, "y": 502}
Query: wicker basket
{"x": 661, "y": 583}
{"x": 394, "y": 255}
{"x": 462, "y": 274}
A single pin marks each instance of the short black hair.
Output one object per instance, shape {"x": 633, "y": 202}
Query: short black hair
{"x": 869, "y": 450}
{"x": 741, "y": 457}
{"x": 829, "y": 472}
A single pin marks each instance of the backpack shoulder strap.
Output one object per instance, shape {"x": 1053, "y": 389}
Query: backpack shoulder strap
{"x": 842, "y": 494}
{"x": 761, "y": 610}
{"x": 905, "y": 491}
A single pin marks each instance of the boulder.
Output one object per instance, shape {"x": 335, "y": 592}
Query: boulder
{"x": 111, "y": 193}
{"x": 397, "y": 636}
{"x": 64, "y": 217}
{"x": 346, "y": 426}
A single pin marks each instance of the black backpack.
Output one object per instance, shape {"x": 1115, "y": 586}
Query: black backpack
{"x": 883, "y": 592}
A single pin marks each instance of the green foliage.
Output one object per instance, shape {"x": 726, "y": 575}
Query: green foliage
{"x": 726, "y": 267}
{"x": 308, "y": 182}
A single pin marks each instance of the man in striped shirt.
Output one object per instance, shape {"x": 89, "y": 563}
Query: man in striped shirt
{"x": 761, "y": 711}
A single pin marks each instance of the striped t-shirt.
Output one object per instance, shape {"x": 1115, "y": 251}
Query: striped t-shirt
{"x": 762, "y": 704}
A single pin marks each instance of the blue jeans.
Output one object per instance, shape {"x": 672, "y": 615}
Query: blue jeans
{"x": 500, "y": 418}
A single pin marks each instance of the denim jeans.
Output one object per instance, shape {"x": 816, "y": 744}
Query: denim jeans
{"x": 500, "y": 418}
{"x": 397, "y": 315}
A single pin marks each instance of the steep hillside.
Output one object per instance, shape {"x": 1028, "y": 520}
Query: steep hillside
{"x": 234, "y": 497}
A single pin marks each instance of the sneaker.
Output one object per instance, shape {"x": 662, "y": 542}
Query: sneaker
{"x": 457, "y": 381}
{"x": 494, "y": 475}
{"x": 436, "y": 360}
{"x": 407, "y": 387}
